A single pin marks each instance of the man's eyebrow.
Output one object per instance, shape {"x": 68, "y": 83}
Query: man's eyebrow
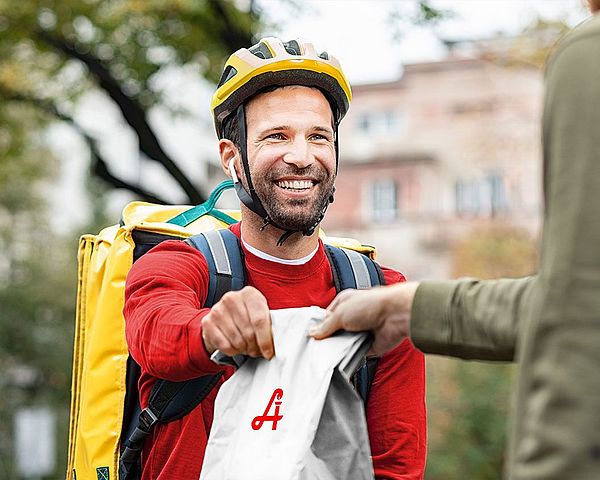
{"x": 277, "y": 128}
{"x": 328, "y": 130}
{"x": 281, "y": 128}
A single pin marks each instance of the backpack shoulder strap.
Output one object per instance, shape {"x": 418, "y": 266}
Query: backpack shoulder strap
{"x": 223, "y": 254}
{"x": 352, "y": 269}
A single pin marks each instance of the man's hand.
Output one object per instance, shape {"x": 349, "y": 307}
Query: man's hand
{"x": 239, "y": 323}
{"x": 383, "y": 310}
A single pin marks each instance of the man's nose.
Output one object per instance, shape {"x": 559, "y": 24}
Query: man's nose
{"x": 299, "y": 154}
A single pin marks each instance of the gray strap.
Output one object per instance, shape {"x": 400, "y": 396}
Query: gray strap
{"x": 359, "y": 267}
{"x": 219, "y": 253}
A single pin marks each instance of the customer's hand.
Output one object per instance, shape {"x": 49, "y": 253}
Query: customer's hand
{"x": 383, "y": 310}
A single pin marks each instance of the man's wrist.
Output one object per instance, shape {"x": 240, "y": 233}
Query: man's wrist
{"x": 209, "y": 347}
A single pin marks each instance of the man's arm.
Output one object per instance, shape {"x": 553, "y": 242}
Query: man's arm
{"x": 164, "y": 294}
{"x": 170, "y": 334}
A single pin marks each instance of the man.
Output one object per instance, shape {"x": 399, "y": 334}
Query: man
{"x": 276, "y": 110}
{"x": 549, "y": 323}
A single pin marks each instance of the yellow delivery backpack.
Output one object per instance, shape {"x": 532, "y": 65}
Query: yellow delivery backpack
{"x": 104, "y": 382}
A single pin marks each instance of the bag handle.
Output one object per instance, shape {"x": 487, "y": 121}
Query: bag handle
{"x": 208, "y": 207}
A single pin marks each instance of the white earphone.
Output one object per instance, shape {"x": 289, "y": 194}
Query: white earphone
{"x": 232, "y": 171}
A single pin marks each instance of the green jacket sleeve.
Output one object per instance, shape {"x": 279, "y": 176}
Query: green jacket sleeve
{"x": 471, "y": 319}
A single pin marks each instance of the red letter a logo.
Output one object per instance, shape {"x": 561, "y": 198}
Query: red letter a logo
{"x": 257, "y": 423}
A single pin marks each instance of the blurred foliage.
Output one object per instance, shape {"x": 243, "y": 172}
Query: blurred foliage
{"x": 421, "y": 12}
{"x": 37, "y": 276}
{"x": 494, "y": 252}
{"x": 468, "y": 402}
{"x": 53, "y": 52}
{"x": 532, "y": 46}
{"x": 134, "y": 40}
{"x": 536, "y": 42}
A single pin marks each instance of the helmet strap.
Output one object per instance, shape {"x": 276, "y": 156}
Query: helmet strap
{"x": 337, "y": 153}
{"x": 248, "y": 198}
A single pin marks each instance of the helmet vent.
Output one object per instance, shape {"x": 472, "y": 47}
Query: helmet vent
{"x": 261, "y": 51}
{"x": 228, "y": 74}
{"x": 324, "y": 55}
{"x": 292, "y": 47}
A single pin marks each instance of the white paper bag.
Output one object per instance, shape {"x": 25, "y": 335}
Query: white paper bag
{"x": 295, "y": 417}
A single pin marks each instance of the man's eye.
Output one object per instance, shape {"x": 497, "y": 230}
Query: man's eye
{"x": 318, "y": 136}
{"x": 275, "y": 136}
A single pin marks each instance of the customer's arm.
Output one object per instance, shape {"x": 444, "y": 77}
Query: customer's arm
{"x": 473, "y": 319}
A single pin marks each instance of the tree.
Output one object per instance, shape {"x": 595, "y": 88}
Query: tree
{"x": 53, "y": 52}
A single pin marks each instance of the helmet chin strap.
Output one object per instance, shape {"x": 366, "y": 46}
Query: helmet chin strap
{"x": 251, "y": 200}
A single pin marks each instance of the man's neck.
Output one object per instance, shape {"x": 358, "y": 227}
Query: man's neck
{"x": 296, "y": 246}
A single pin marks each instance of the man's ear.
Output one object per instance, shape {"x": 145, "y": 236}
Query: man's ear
{"x": 228, "y": 152}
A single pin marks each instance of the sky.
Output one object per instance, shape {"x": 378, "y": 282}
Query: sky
{"x": 361, "y": 34}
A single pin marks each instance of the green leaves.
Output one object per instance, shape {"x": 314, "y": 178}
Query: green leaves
{"x": 54, "y": 52}
{"x": 134, "y": 39}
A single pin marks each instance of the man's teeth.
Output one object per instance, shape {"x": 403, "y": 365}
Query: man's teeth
{"x": 295, "y": 184}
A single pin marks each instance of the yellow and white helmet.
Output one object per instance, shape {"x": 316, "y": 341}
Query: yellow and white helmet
{"x": 272, "y": 62}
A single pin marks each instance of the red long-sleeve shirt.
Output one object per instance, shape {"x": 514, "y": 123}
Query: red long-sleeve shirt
{"x": 164, "y": 294}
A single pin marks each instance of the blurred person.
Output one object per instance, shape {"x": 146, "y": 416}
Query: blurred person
{"x": 277, "y": 110}
{"x": 548, "y": 323}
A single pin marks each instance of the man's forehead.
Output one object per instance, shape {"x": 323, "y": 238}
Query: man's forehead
{"x": 282, "y": 100}
{"x": 286, "y": 91}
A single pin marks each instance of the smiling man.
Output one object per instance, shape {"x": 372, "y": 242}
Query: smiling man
{"x": 276, "y": 110}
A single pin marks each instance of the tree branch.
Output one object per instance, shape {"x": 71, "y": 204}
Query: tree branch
{"x": 131, "y": 110}
{"x": 233, "y": 37}
{"x": 99, "y": 165}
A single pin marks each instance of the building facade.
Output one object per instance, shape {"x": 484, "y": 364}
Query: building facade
{"x": 449, "y": 146}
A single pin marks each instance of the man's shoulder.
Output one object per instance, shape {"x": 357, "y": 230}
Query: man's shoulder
{"x": 392, "y": 276}
{"x": 170, "y": 256}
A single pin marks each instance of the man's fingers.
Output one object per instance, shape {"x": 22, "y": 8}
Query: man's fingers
{"x": 264, "y": 339}
{"x": 230, "y": 317}
{"x": 215, "y": 340}
{"x": 260, "y": 324}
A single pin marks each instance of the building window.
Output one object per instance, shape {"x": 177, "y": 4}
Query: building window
{"x": 498, "y": 200}
{"x": 382, "y": 122}
{"x": 481, "y": 197}
{"x": 364, "y": 123}
{"x": 466, "y": 195}
{"x": 384, "y": 195}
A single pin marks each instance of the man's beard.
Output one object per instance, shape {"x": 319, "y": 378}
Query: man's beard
{"x": 294, "y": 214}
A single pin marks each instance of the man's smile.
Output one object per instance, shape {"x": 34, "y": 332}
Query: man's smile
{"x": 295, "y": 185}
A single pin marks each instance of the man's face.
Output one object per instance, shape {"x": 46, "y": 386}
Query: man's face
{"x": 291, "y": 154}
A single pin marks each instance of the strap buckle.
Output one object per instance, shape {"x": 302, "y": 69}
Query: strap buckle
{"x": 147, "y": 420}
